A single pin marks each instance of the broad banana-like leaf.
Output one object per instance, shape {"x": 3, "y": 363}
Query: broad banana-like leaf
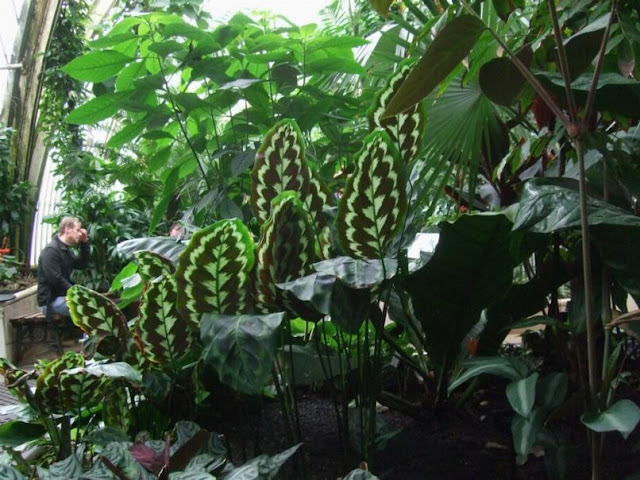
{"x": 405, "y": 129}
{"x": 47, "y": 397}
{"x": 522, "y": 393}
{"x": 96, "y": 314}
{"x": 214, "y": 271}
{"x": 524, "y": 431}
{"x": 374, "y": 202}
{"x": 284, "y": 252}
{"x": 241, "y": 348}
{"x": 152, "y": 265}
{"x": 279, "y": 166}
{"x": 164, "y": 335}
{"x": 168, "y": 247}
{"x": 622, "y": 416}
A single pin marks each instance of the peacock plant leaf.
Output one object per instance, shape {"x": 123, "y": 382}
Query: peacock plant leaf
{"x": 374, "y": 202}
{"x": 214, "y": 271}
{"x": 164, "y": 335}
{"x": 47, "y": 397}
{"x": 80, "y": 389}
{"x": 116, "y": 411}
{"x": 284, "y": 252}
{"x": 319, "y": 196}
{"x": 95, "y": 314}
{"x": 405, "y": 129}
{"x": 152, "y": 265}
{"x": 15, "y": 379}
{"x": 279, "y": 166}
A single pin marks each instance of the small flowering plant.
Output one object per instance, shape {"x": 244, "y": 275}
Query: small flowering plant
{"x": 8, "y": 264}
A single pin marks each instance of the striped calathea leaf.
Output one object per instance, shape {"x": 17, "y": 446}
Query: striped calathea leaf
{"x": 284, "y": 252}
{"x": 95, "y": 314}
{"x": 214, "y": 271}
{"x": 152, "y": 265}
{"x": 319, "y": 196}
{"x": 374, "y": 203}
{"x": 405, "y": 129}
{"x": 279, "y": 166}
{"x": 15, "y": 378}
{"x": 47, "y": 397}
{"x": 164, "y": 336}
{"x": 116, "y": 410}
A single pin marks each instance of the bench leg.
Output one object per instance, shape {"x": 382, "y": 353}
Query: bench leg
{"x": 19, "y": 337}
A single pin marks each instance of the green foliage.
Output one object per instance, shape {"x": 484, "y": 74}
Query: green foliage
{"x": 15, "y": 196}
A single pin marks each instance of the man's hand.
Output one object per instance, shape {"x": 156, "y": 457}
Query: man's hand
{"x": 83, "y": 236}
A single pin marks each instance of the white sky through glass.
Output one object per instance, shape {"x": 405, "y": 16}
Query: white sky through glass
{"x": 299, "y": 12}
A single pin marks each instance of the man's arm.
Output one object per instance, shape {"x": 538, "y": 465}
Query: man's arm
{"x": 82, "y": 261}
{"x": 51, "y": 267}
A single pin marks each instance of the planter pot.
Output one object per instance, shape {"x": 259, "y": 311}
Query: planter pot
{"x": 23, "y": 302}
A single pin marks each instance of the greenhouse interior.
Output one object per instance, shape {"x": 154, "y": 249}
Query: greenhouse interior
{"x": 319, "y": 240}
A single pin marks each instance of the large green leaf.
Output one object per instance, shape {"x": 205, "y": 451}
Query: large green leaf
{"x": 81, "y": 389}
{"x": 374, "y": 203}
{"x": 69, "y": 468}
{"x": 505, "y": 367}
{"x": 524, "y": 431}
{"x": 241, "y": 348}
{"x": 618, "y": 247}
{"x": 262, "y": 467}
{"x": 500, "y": 79}
{"x": 582, "y": 47}
{"x": 279, "y": 166}
{"x": 547, "y": 205}
{"x": 214, "y": 272}
{"x": 359, "y": 273}
{"x": 96, "y": 109}
{"x": 127, "y": 134}
{"x": 551, "y": 391}
{"x": 470, "y": 270}
{"x": 167, "y": 247}
{"x": 405, "y": 129}
{"x": 622, "y": 416}
{"x": 165, "y": 337}
{"x": 447, "y": 50}
{"x": 522, "y": 394}
{"x": 14, "y": 433}
{"x": 96, "y": 66}
{"x": 284, "y": 252}
{"x": 7, "y": 472}
{"x": 311, "y": 367}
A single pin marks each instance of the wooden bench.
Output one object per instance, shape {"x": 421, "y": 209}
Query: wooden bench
{"x": 36, "y": 328}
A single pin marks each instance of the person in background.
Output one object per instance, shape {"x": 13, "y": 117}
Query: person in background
{"x": 176, "y": 230}
{"x": 56, "y": 263}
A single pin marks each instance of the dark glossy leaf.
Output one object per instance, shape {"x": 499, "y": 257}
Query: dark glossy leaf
{"x": 547, "y": 206}
{"x": 622, "y": 416}
{"x": 311, "y": 367}
{"x": 241, "y": 348}
{"x": 261, "y": 467}
{"x": 469, "y": 271}
{"x": 447, "y": 50}
{"x": 167, "y": 247}
{"x": 14, "y": 433}
{"x": 500, "y": 79}
{"x": 618, "y": 248}
{"x": 522, "y": 394}
{"x": 358, "y": 273}
{"x": 510, "y": 368}
{"x": 314, "y": 289}
{"x": 552, "y": 390}
{"x": 525, "y": 431}
{"x": 582, "y": 47}
{"x": 349, "y": 307}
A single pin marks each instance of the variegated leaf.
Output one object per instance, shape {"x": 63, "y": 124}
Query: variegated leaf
{"x": 374, "y": 202}
{"x": 15, "y": 379}
{"x": 285, "y": 250}
{"x": 319, "y": 196}
{"x": 214, "y": 271}
{"x": 152, "y": 265}
{"x": 116, "y": 411}
{"x": 279, "y": 166}
{"x": 165, "y": 336}
{"x": 47, "y": 397}
{"x": 95, "y": 314}
{"x": 405, "y": 129}
{"x": 81, "y": 389}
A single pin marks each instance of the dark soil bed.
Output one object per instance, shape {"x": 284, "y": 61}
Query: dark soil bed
{"x": 473, "y": 442}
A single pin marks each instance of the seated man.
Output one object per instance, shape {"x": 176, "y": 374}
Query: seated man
{"x": 56, "y": 263}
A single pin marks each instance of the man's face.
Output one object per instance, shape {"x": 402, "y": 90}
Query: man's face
{"x": 73, "y": 234}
